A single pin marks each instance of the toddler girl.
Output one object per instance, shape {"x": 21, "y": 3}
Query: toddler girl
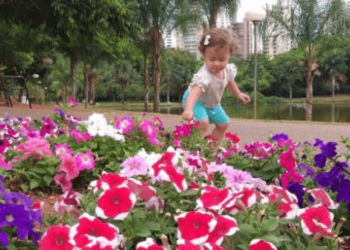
{"x": 202, "y": 99}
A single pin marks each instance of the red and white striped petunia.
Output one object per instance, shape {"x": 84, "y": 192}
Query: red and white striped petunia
{"x": 37, "y": 205}
{"x": 195, "y": 226}
{"x": 115, "y": 203}
{"x": 316, "y": 219}
{"x": 212, "y": 246}
{"x": 187, "y": 245}
{"x": 225, "y": 226}
{"x": 242, "y": 199}
{"x": 108, "y": 181}
{"x": 91, "y": 230}
{"x": 258, "y": 244}
{"x": 213, "y": 198}
{"x": 142, "y": 190}
{"x": 149, "y": 244}
{"x": 321, "y": 197}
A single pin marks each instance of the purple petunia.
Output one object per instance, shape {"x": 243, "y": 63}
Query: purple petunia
{"x": 333, "y": 178}
{"x": 4, "y": 239}
{"x": 280, "y": 136}
{"x": 298, "y": 190}
{"x": 328, "y": 150}
{"x": 344, "y": 191}
{"x": 318, "y": 142}
{"x": 60, "y": 112}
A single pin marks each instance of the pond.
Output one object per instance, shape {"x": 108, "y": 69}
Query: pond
{"x": 332, "y": 112}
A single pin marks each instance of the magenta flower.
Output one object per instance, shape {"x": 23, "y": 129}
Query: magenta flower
{"x": 69, "y": 166}
{"x": 56, "y": 238}
{"x": 213, "y": 198}
{"x": 134, "y": 166}
{"x": 35, "y": 147}
{"x": 72, "y": 102}
{"x": 61, "y": 149}
{"x": 182, "y": 131}
{"x": 287, "y": 160}
{"x": 79, "y": 137}
{"x": 4, "y": 164}
{"x": 258, "y": 244}
{"x": 147, "y": 127}
{"x": 158, "y": 122}
{"x": 47, "y": 127}
{"x": 155, "y": 141}
{"x": 126, "y": 124}
{"x": 149, "y": 244}
{"x": 61, "y": 179}
{"x": 4, "y": 145}
{"x": 85, "y": 161}
{"x": 290, "y": 177}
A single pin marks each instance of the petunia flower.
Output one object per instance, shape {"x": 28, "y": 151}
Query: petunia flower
{"x": 287, "y": 160}
{"x": 64, "y": 181}
{"x": 91, "y": 230}
{"x": 108, "y": 181}
{"x": 69, "y": 201}
{"x": 226, "y": 226}
{"x": 289, "y": 177}
{"x": 47, "y": 127}
{"x": 115, "y": 203}
{"x": 61, "y": 149}
{"x": 98, "y": 246}
{"x": 149, "y": 244}
{"x": 79, "y": 137}
{"x": 316, "y": 219}
{"x": 4, "y": 239}
{"x": 72, "y": 102}
{"x": 35, "y": 147}
{"x": 147, "y": 127}
{"x": 280, "y": 136}
{"x": 321, "y": 197}
{"x": 258, "y": 244}
{"x": 69, "y": 166}
{"x": 213, "y": 198}
{"x": 195, "y": 226}
{"x": 133, "y": 166}
{"x": 126, "y": 124}
{"x": 187, "y": 245}
{"x": 142, "y": 190}
{"x": 233, "y": 137}
{"x": 4, "y": 145}
{"x": 85, "y": 161}
{"x": 56, "y": 238}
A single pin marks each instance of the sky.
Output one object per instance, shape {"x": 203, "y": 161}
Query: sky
{"x": 252, "y": 5}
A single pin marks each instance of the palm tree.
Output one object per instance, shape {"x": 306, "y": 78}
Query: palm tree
{"x": 166, "y": 15}
{"x": 305, "y": 22}
{"x": 124, "y": 71}
{"x": 60, "y": 76}
{"x": 211, "y": 9}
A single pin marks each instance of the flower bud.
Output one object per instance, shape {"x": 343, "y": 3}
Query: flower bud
{"x": 167, "y": 215}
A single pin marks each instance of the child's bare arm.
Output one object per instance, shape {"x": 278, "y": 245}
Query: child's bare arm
{"x": 191, "y": 100}
{"x": 232, "y": 86}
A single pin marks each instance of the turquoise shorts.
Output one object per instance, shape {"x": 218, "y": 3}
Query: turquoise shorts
{"x": 200, "y": 112}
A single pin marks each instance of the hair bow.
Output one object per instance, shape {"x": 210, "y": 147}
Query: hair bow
{"x": 206, "y": 41}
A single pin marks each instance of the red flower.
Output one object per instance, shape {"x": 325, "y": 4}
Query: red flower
{"x": 97, "y": 246}
{"x": 245, "y": 198}
{"x": 37, "y": 205}
{"x": 165, "y": 160}
{"x": 316, "y": 219}
{"x": 142, "y": 190}
{"x": 195, "y": 226}
{"x": 225, "y": 226}
{"x": 258, "y": 244}
{"x": 56, "y": 238}
{"x": 287, "y": 160}
{"x": 108, "y": 181}
{"x": 281, "y": 195}
{"x": 233, "y": 137}
{"x": 291, "y": 176}
{"x": 213, "y": 197}
{"x": 187, "y": 245}
{"x": 288, "y": 210}
{"x": 149, "y": 244}
{"x": 115, "y": 203}
{"x": 91, "y": 230}
{"x": 321, "y": 196}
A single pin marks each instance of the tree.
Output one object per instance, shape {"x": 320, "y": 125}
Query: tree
{"x": 211, "y": 9}
{"x": 305, "y": 22}
{"x": 165, "y": 15}
{"x": 289, "y": 67}
{"x": 60, "y": 76}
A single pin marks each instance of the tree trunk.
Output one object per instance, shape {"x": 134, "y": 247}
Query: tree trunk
{"x": 308, "y": 112}
{"x": 145, "y": 82}
{"x": 213, "y": 16}
{"x": 333, "y": 85}
{"x": 64, "y": 94}
{"x": 73, "y": 67}
{"x": 123, "y": 91}
{"x": 167, "y": 90}
{"x": 157, "y": 43}
{"x": 92, "y": 83}
{"x": 86, "y": 86}
{"x": 290, "y": 85}
{"x": 309, "y": 78}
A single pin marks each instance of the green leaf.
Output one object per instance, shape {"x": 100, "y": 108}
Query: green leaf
{"x": 169, "y": 230}
{"x": 11, "y": 246}
{"x": 51, "y": 169}
{"x": 34, "y": 184}
{"x": 153, "y": 226}
{"x": 139, "y": 214}
{"x": 142, "y": 231}
{"x": 270, "y": 224}
{"x": 188, "y": 193}
{"x": 247, "y": 229}
{"x": 47, "y": 179}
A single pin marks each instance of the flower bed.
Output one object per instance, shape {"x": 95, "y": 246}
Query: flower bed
{"x": 129, "y": 184}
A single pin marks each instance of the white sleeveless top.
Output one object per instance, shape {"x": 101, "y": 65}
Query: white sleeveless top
{"x": 212, "y": 87}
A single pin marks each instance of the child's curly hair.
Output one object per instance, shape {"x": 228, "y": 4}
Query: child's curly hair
{"x": 219, "y": 38}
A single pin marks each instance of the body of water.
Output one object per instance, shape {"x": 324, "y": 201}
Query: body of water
{"x": 333, "y": 112}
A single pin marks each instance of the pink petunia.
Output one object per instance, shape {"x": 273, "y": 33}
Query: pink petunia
{"x": 321, "y": 197}
{"x": 35, "y": 147}
{"x": 85, "y": 161}
{"x": 61, "y": 149}
{"x": 90, "y": 230}
{"x": 79, "y": 137}
{"x": 98, "y": 246}
{"x": 149, "y": 244}
{"x": 142, "y": 190}
{"x": 233, "y": 137}
{"x": 182, "y": 131}
{"x": 125, "y": 124}
{"x": 72, "y": 102}
{"x": 242, "y": 199}
{"x": 290, "y": 177}
{"x": 258, "y": 244}
{"x": 47, "y": 128}
{"x": 115, "y": 203}
{"x": 56, "y": 238}
{"x": 316, "y": 219}
{"x": 69, "y": 166}
{"x": 4, "y": 145}
{"x": 4, "y": 164}
{"x": 69, "y": 201}
{"x": 147, "y": 127}
{"x": 61, "y": 179}
{"x": 287, "y": 160}
{"x": 195, "y": 226}
{"x": 133, "y": 166}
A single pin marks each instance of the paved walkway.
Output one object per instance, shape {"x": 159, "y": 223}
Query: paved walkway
{"x": 247, "y": 130}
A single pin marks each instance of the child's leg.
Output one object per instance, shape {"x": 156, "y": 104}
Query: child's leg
{"x": 221, "y": 121}
{"x": 219, "y": 130}
{"x": 203, "y": 126}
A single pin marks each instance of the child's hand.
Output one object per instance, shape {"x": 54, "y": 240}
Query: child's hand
{"x": 187, "y": 115}
{"x": 244, "y": 98}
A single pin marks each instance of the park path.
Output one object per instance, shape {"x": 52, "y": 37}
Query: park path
{"x": 247, "y": 130}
